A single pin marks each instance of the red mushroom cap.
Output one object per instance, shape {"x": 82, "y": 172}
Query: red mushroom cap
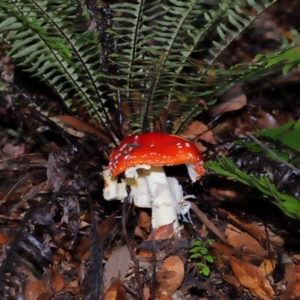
{"x": 155, "y": 149}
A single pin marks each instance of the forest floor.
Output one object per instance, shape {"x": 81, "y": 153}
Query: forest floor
{"x": 246, "y": 248}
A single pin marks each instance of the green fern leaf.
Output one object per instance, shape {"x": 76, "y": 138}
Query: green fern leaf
{"x": 288, "y": 204}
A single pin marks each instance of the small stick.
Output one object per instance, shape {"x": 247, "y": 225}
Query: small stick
{"x": 296, "y": 170}
{"x": 209, "y": 224}
{"x": 132, "y": 254}
{"x": 153, "y": 287}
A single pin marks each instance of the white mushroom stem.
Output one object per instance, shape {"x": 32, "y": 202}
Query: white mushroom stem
{"x": 161, "y": 197}
{"x": 163, "y": 202}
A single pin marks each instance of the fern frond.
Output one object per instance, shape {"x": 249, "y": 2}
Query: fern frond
{"x": 287, "y": 204}
{"x": 157, "y": 66}
{"x": 158, "y": 47}
{"x": 45, "y": 39}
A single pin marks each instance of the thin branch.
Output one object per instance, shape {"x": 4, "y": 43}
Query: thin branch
{"x": 209, "y": 224}
{"x": 132, "y": 254}
{"x": 268, "y": 150}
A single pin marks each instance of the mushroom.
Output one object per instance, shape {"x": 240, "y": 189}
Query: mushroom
{"x": 142, "y": 157}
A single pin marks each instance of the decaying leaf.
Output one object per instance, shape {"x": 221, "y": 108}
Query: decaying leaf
{"x": 257, "y": 230}
{"x": 232, "y": 100}
{"x": 117, "y": 266}
{"x": 198, "y": 130}
{"x": 252, "y": 278}
{"x": 232, "y": 280}
{"x": 292, "y": 293}
{"x": 170, "y": 277}
{"x": 36, "y": 287}
{"x": 247, "y": 243}
{"x": 82, "y": 126}
{"x": 267, "y": 266}
{"x": 297, "y": 272}
{"x": 58, "y": 281}
{"x": 222, "y": 248}
{"x": 144, "y": 220}
{"x": 163, "y": 232}
{"x": 116, "y": 291}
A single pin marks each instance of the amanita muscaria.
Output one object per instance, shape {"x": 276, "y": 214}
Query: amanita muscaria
{"x": 142, "y": 157}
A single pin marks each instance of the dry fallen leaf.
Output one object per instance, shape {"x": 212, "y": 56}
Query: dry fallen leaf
{"x": 222, "y": 248}
{"x": 198, "y": 130}
{"x": 232, "y": 100}
{"x": 104, "y": 229}
{"x": 297, "y": 272}
{"x": 58, "y": 282}
{"x": 138, "y": 231}
{"x": 36, "y": 287}
{"x": 252, "y": 278}
{"x": 292, "y": 293}
{"x": 232, "y": 280}
{"x": 3, "y": 238}
{"x": 80, "y": 125}
{"x": 170, "y": 277}
{"x": 256, "y": 230}
{"x": 117, "y": 266}
{"x": 247, "y": 243}
{"x": 116, "y": 291}
{"x": 144, "y": 220}
{"x": 267, "y": 266}
{"x": 222, "y": 193}
{"x": 162, "y": 233}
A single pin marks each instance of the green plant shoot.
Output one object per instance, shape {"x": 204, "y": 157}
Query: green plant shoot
{"x": 200, "y": 253}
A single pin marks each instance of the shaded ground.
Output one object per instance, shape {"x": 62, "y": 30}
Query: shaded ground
{"x": 51, "y": 199}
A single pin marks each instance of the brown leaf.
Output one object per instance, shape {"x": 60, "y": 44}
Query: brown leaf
{"x": 255, "y": 229}
{"x": 116, "y": 291}
{"x": 289, "y": 270}
{"x": 72, "y": 287}
{"x": 138, "y": 231}
{"x": 82, "y": 126}
{"x": 170, "y": 277}
{"x": 198, "y": 130}
{"x": 232, "y": 280}
{"x": 104, "y": 228}
{"x": 223, "y": 193}
{"x": 292, "y": 293}
{"x": 222, "y": 248}
{"x": 144, "y": 220}
{"x": 35, "y": 287}
{"x": 267, "y": 266}
{"x": 58, "y": 281}
{"x": 44, "y": 296}
{"x": 297, "y": 272}
{"x": 117, "y": 266}
{"x": 3, "y": 238}
{"x": 252, "y": 278}
{"x": 232, "y": 100}
{"x": 247, "y": 243}
{"x": 163, "y": 232}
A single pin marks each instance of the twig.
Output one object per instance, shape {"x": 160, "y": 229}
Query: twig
{"x": 153, "y": 287}
{"x": 209, "y": 224}
{"x": 14, "y": 187}
{"x": 132, "y": 254}
{"x": 296, "y": 170}
{"x": 28, "y": 196}
{"x": 15, "y": 218}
